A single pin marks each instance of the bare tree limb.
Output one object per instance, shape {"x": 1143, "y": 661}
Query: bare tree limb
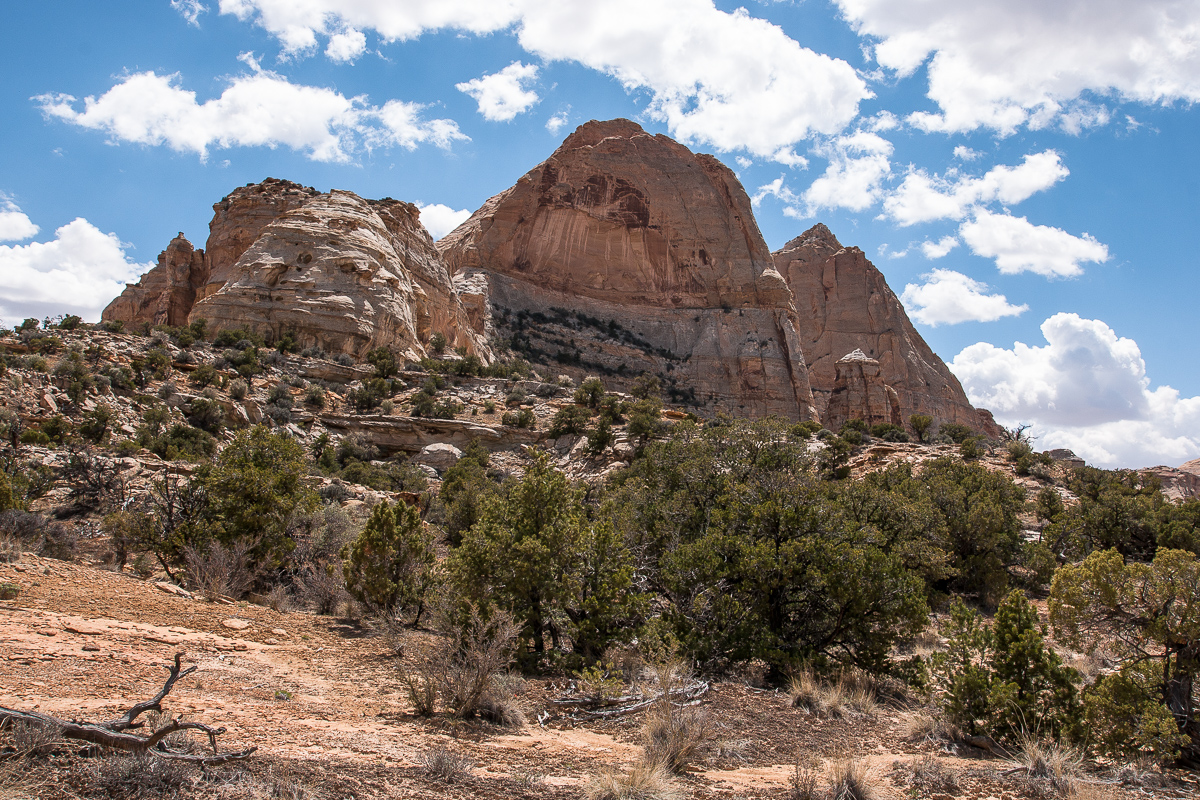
{"x": 112, "y": 734}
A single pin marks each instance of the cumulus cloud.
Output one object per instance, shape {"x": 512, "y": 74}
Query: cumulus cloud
{"x": 1085, "y": 389}
{"x": 77, "y": 272}
{"x": 922, "y": 197}
{"x": 1001, "y": 64}
{"x": 728, "y": 80}
{"x": 503, "y": 95}
{"x": 260, "y": 109}
{"x": 15, "y": 225}
{"x": 948, "y": 298}
{"x": 940, "y": 248}
{"x": 1020, "y": 246}
{"x": 190, "y": 10}
{"x": 858, "y": 164}
{"x": 557, "y": 122}
{"x": 439, "y": 219}
{"x": 346, "y": 46}
{"x": 964, "y": 153}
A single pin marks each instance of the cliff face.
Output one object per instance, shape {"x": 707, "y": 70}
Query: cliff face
{"x": 844, "y": 306}
{"x": 165, "y": 294}
{"x": 344, "y": 274}
{"x": 639, "y": 232}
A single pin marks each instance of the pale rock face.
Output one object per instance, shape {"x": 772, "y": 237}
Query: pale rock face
{"x": 345, "y": 274}
{"x": 625, "y": 226}
{"x": 165, "y": 294}
{"x": 240, "y": 218}
{"x": 845, "y": 305}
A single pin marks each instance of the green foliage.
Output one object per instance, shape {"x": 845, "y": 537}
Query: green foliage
{"x": 1126, "y": 718}
{"x": 234, "y": 337}
{"x": 252, "y": 487}
{"x": 889, "y": 432}
{"x": 182, "y": 443}
{"x": 589, "y": 393}
{"x": 832, "y": 460}
{"x": 1151, "y": 614}
{"x": 570, "y": 420}
{"x": 58, "y": 428}
{"x": 647, "y": 387}
{"x": 612, "y": 409}
{"x": 465, "y": 486}
{"x": 601, "y": 437}
{"x": 314, "y": 395}
{"x": 206, "y": 414}
{"x": 204, "y": 375}
{"x": 384, "y": 362}
{"x": 238, "y": 389}
{"x": 70, "y": 322}
{"x": 7, "y": 500}
{"x": 437, "y": 343}
{"x": 74, "y": 376}
{"x": 971, "y": 448}
{"x": 535, "y": 553}
{"x": 645, "y": 420}
{"x": 1004, "y": 681}
{"x": 94, "y": 427}
{"x": 390, "y": 564}
{"x": 524, "y": 418}
{"x": 371, "y": 395}
{"x": 920, "y": 423}
{"x": 804, "y": 430}
{"x": 35, "y": 437}
{"x": 957, "y": 432}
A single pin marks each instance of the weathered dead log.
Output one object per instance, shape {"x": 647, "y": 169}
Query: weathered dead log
{"x": 113, "y": 734}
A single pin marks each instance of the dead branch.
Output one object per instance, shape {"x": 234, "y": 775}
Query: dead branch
{"x": 112, "y": 734}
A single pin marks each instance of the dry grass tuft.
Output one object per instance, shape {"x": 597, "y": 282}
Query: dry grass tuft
{"x": 134, "y": 776}
{"x": 852, "y": 780}
{"x": 10, "y": 549}
{"x": 32, "y": 741}
{"x": 803, "y": 783}
{"x": 1141, "y": 774}
{"x": 851, "y": 694}
{"x": 445, "y": 764}
{"x": 675, "y": 736}
{"x": 1048, "y": 765}
{"x": 644, "y": 781}
{"x": 927, "y": 775}
{"x": 931, "y": 728}
{"x": 499, "y": 704}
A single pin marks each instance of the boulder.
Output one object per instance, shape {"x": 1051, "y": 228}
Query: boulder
{"x": 639, "y": 234}
{"x": 440, "y": 456}
{"x": 844, "y": 306}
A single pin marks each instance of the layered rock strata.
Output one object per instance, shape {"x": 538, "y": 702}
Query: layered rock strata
{"x": 344, "y": 274}
{"x": 638, "y": 231}
{"x": 844, "y": 306}
{"x": 165, "y": 294}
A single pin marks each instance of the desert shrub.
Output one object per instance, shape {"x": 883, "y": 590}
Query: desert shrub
{"x": 314, "y": 396}
{"x": 384, "y": 362}
{"x": 957, "y": 432}
{"x": 9, "y": 591}
{"x": 534, "y": 552}
{"x": 601, "y": 437}
{"x": 238, "y": 389}
{"x": 390, "y": 565}
{"x": 920, "y": 423}
{"x": 184, "y": 443}
{"x": 570, "y": 420}
{"x": 889, "y": 432}
{"x": 515, "y": 398}
{"x": 437, "y": 343}
{"x": 804, "y": 430}
{"x": 10, "y": 549}
{"x": 999, "y": 680}
{"x": 674, "y": 736}
{"x": 442, "y": 763}
{"x": 58, "y": 428}
{"x": 1126, "y": 716}
{"x": 320, "y": 586}
{"x": 519, "y": 419}
{"x": 852, "y": 779}
{"x": 645, "y": 420}
{"x": 590, "y": 393}
{"x": 204, "y": 375}
{"x": 217, "y": 570}
{"x": 1046, "y": 763}
{"x": 7, "y": 499}
{"x": 35, "y": 437}
{"x": 94, "y": 427}
{"x": 1149, "y": 613}
{"x": 205, "y": 414}
{"x": 239, "y": 338}
{"x": 118, "y": 775}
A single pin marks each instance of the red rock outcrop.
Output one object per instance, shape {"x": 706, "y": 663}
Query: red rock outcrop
{"x": 844, "y": 306}
{"x": 638, "y": 230}
{"x": 165, "y": 294}
{"x": 338, "y": 272}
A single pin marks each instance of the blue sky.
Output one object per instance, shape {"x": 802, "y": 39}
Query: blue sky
{"x": 1025, "y": 174}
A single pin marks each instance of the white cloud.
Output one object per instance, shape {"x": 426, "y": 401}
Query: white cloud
{"x": 964, "y": 153}
{"x": 1002, "y": 64}
{"x": 440, "y": 219}
{"x": 1085, "y": 389}
{"x": 948, "y": 298}
{"x": 15, "y": 225}
{"x": 260, "y": 109}
{"x": 778, "y": 189}
{"x": 728, "y": 80}
{"x": 557, "y": 122}
{"x": 77, "y": 272}
{"x": 1020, "y": 246}
{"x": 922, "y": 197}
{"x": 744, "y": 163}
{"x": 346, "y": 46}
{"x": 503, "y": 95}
{"x": 858, "y": 163}
{"x": 940, "y": 248}
{"x": 190, "y": 10}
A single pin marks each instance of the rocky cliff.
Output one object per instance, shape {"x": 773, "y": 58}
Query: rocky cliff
{"x": 165, "y": 294}
{"x": 656, "y": 248}
{"x": 865, "y": 358}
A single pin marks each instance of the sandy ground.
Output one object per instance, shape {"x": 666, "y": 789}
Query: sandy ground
{"x": 321, "y": 699}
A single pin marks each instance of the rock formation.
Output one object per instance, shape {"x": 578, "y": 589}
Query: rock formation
{"x": 165, "y": 294}
{"x": 845, "y": 307}
{"x": 334, "y": 270}
{"x": 344, "y": 274}
{"x": 637, "y": 231}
